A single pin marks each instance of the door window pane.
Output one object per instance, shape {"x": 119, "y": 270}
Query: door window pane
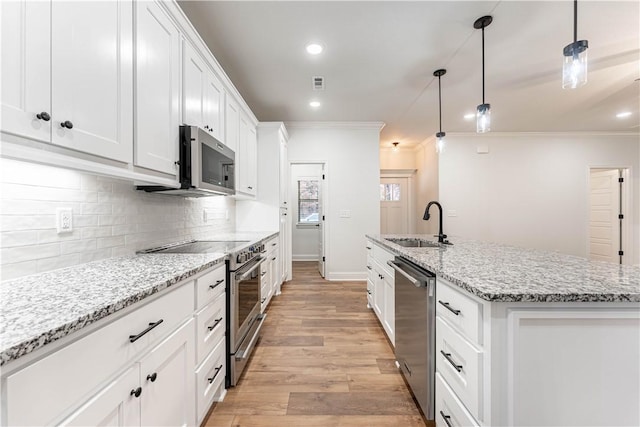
{"x": 389, "y": 192}
{"x": 308, "y": 203}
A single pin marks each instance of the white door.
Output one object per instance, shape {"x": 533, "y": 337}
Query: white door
{"x": 157, "y": 89}
{"x": 604, "y": 208}
{"x": 167, "y": 376}
{"x": 92, "y": 77}
{"x": 321, "y": 219}
{"x": 394, "y": 202}
{"x": 26, "y": 69}
{"x": 115, "y": 405}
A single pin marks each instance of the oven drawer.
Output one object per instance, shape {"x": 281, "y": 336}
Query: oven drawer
{"x": 210, "y": 285}
{"x": 210, "y": 326}
{"x": 210, "y": 380}
{"x": 460, "y": 364}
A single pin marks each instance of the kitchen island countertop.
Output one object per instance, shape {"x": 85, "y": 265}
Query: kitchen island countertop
{"x": 38, "y": 309}
{"x": 496, "y": 272}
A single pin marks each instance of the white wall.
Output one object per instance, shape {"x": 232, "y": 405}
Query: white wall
{"x": 404, "y": 158}
{"x": 427, "y": 163}
{"x": 351, "y": 153}
{"x": 304, "y": 238}
{"x": 531, "y": 190}
{"x": 110, "y": 218}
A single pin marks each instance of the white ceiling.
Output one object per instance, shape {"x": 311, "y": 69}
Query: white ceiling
{"x": 379, "y": 60}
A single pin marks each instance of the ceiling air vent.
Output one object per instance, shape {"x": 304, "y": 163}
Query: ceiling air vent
{"x": 318, "y": 83}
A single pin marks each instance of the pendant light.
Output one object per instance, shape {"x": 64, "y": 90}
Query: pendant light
{"x": 440, "y": 135}
{"x": 483, "y": 114}
{"x": 574, "y": 67}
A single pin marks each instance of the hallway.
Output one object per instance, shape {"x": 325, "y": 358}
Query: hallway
{"x": 323, "y": 360}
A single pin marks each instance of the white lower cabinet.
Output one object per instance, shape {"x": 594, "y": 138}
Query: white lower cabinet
{"x": 535, "y": 363}
{"x": 153, "y": 392}
{"x": 115, "y": 405}
{"x": 158, "y": 364}
{"x": 381, "y": 287}
{"x": 167, "y": 381}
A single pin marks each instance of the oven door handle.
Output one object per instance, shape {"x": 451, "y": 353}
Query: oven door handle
{"x": 243, "y": 275}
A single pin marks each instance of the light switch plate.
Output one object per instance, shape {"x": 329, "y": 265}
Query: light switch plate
{"x": 345, "y": 214}
{"x": 64, "y": 220}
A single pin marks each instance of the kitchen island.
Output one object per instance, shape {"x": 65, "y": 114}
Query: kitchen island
{"x": 527, "y": 337}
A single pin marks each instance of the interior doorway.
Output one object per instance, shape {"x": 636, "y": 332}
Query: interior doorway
{"x": 309, "y": 191}
{"x": 609, "y": 216}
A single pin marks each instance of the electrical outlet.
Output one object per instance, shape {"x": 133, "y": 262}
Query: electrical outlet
{"x": 64, "y": 220}
{"x": 205, "y": 216}
{"x": 452, "y": 213}
{"x": 226, "y": 214}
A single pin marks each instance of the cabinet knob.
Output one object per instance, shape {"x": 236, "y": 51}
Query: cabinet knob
{"x": 67, "y": 124}
{"x": 250, "y": 188}
{"x": 44, "y": 116}
{"x": 152, "y": 377}
{"x": 136, "y": 392}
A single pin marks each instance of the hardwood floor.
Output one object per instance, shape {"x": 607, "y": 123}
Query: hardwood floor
{"x": 323, "y": 360}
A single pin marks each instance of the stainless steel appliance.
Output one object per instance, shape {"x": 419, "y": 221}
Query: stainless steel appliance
{"x": 415, "y": 307}
{"x": 206, "y": 166}
{"x": 244, "y": 320}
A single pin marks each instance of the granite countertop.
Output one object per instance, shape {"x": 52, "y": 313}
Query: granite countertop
{"x": 497, "y": 272}
{"x": 38, "y": 309}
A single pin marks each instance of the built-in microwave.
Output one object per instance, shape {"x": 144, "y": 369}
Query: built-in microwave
{"x": 206, "y": 166}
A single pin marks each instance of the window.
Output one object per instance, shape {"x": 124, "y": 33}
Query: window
{"x": 308, "y": 203}
{"x": 389, "y": 192}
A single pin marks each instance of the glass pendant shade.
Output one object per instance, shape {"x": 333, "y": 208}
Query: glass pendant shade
{"x": 574, "y": 68}
{"x": 483, "y": 118}
{"x": 440, "y": 143}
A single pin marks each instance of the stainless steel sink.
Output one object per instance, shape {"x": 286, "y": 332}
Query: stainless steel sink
{"x": 414, "y": 243}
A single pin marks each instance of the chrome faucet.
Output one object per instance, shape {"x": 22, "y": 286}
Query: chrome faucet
{"x": 442, "y": 238}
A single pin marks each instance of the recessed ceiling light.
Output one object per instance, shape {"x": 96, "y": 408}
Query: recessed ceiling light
{"x": 470, "y": 116}
{"x": 623, "y": 115}
{"x": 314, "y": 48}
{"x": 314, "y": 104}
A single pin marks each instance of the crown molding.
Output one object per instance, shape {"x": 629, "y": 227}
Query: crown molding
{"x": 524, "y": 134}
{"x": 335, "y": 125}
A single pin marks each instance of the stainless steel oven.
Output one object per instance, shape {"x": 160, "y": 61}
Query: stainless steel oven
{"x": 245, "y": 319}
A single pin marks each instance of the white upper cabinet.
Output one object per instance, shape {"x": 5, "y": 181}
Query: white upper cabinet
{"x": 157, "y": 98}
{"x": 67, "y": 74}
{"x": 202, "y": 94}
{"x": 26, "y": 68}
{"x": 232, "y": 125}
{"x": 213, "y": 111}
{"x": 284, "y": 170}
{"x": 247, "y": 158}
{"x": 92, "y": 77}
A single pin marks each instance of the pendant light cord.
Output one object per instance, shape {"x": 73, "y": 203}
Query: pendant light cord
{"x": 483, "y": 64}
{"x": 575, "y": 21}
{"x": 440, "y": 102}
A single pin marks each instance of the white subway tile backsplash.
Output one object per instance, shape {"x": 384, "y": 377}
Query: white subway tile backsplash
{"x": 111, "y": 218}
{"x": 10, "y": 239}
{"x": 30, "y": 252}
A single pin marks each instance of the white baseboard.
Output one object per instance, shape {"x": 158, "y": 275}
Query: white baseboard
{"x": 311, "y": 257}
{"x": 347, "y": 277}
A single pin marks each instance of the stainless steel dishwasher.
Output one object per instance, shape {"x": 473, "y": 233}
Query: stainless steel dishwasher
{"x": 415, "y": 290}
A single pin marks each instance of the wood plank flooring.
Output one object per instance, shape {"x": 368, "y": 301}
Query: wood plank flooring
{"x": 323, "y": 360}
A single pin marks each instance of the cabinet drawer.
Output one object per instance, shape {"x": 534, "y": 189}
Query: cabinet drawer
{"x": 463, "y": 313}
{"x": 210, "y": 326}
{"x": 40, "y": 392}
{"x": 452, "y": 349}
{"x": 210, "y": 380}
{"x": 271, "y": 244}
{"x": 448, "y": 405}
{"x": 382, "y": 256}
{"x": 210, "y": 285}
